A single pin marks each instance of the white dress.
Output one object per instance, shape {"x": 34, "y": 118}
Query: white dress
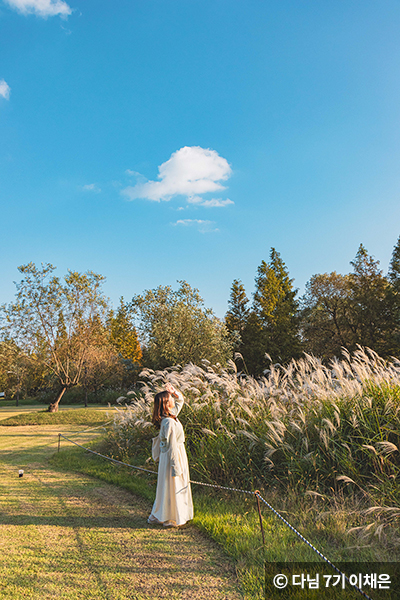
{"x": 173, "y": 501}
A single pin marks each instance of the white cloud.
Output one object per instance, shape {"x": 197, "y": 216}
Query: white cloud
{"x": 42, "y": 8}
{"x": 91, "y": 187}
{"x": 202, "y": 225}
{"x": 4, "y": 89}
{"x": 210, "y": 203}
{"x": 191, "y": 172}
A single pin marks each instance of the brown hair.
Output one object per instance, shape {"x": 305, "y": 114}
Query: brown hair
{"x": 160, "y": 409}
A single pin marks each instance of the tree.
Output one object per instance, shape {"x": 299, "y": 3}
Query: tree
{"x": 276, "y": 310}
{"x": 346, "y": 310}
{"x": 56, "y": 323}
{"x": 393, "y": 300}
{"x": 123, "y": 333}
{"x": 176, "y": 328}
{"x": 14, "y": 370}
{"x": 102, "y": 366}
{"x": 237, "y": 316}
{"x": 369, "y": 306}
{"x": 271, "y": 326}
{"x": 394, "y": 268}
{"x": 124, "y": 338}
{"x": 326, "y": 319}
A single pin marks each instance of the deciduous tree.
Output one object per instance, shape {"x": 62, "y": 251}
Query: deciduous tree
{"x": 176, "y": 328}
{"x": 346, "y": 310}
{"x": 55, "y": 323}
{"x": 124, "y": 338}
{"x": 326, "y": 315}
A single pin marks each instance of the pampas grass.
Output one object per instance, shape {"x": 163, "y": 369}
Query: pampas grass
{"x": 306, "y": 427}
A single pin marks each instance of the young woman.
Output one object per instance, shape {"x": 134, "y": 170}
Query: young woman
{"x": 173, "y": 505}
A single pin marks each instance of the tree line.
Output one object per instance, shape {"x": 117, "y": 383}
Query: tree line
{"x": 60, "y": 334}
{"x": 337, "y": 311}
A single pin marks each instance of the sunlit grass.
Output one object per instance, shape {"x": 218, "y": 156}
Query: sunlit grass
{"x": 68, "y": 536}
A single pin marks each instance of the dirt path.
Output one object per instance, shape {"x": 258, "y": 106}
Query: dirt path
{"x": 65, "y": 535}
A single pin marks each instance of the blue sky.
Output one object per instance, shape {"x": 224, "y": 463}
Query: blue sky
{"x": 159, "y": 140}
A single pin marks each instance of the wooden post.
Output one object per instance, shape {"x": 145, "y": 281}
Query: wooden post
{"x": 256, "y": 493}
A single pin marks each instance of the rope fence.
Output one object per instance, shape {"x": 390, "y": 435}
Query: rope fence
{"x": 256, "y": 493}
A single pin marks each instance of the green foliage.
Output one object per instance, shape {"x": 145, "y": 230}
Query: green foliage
{"x": 177, "y": 328}
{"x": 368, "y": 297}
{"x": 326, "y": 321}
{"x": 347, "y": 310}
{"x": 15, "y": 376}
{"x": 123, "y": 334}
{"x": 124, "y": 340}
{"x": 393, "y": 300}
{"x": 276, "y": 307}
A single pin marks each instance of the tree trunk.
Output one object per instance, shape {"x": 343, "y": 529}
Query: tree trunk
{"x": 85, "y": 379}
{"x": 54, "y": 405}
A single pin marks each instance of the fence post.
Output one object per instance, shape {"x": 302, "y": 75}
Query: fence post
{"x": 257, "y": 493}
{"x": 59, "y": 441}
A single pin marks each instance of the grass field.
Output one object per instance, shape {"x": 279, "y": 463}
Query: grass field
{"x": 73, "y": 486}
{"x": 68, "y": 535}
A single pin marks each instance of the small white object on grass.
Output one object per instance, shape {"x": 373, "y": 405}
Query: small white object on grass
{"x": 21, "y": 472}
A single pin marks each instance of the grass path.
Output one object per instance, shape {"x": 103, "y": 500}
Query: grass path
{"x": 66, "y": 535}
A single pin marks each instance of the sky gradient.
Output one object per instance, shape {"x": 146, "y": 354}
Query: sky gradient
{"x": 154, "y": 141}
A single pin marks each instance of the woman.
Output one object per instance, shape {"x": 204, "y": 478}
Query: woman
{"x": 173, "y": 505}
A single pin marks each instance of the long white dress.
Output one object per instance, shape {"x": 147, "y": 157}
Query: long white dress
{"x": 173, "y": 503}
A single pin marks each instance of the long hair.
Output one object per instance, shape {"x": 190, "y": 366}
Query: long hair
{"x": 160, "y": 409}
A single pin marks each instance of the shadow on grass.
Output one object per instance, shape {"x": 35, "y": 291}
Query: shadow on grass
{"x": 117, "y": 522}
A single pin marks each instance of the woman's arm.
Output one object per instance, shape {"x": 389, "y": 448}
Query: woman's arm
{"x": 178, "y": 397}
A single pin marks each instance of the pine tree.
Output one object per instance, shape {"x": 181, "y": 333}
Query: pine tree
{"x": 393, "y": 299}
{"x": 369, "y": 302}
{"x": 394, "y": 268}
{"x": 123, "y": 334}
{"x": 238, "y": 313}
{"x": 275, "y": 321}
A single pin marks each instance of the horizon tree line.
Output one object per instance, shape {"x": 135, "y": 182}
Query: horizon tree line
{"x": 61, "y": 334}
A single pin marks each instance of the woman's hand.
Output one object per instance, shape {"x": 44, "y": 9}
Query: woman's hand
{"x": 170, "y": 388}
